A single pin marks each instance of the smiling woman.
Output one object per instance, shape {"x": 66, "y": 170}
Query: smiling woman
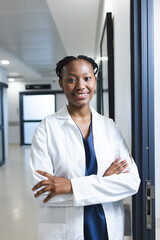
{"x": 78, "y": 81}
{"x": 81, "y": 166}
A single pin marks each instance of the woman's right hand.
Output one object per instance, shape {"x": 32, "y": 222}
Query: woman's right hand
{"x": 116, "y": 167}
{"x": 54, "y": 185}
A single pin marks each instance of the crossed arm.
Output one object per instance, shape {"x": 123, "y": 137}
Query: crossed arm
{"x": 57, "y": 185}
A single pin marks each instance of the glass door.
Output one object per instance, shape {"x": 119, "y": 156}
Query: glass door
{"x": 106, "y": 71}
{"x": 157, "y": 112}
{"x": 143, "y": 144}
{"x": 33, "y": 108}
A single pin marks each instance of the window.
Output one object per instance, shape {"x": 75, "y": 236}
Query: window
{"x": 34, "y": 106}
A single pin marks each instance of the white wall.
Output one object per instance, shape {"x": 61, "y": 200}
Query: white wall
{"x": 3, "y": 78}
{"x": 13, "y": 110}
{"x": 121, "y": 26}
{"x": 157, "y": 101}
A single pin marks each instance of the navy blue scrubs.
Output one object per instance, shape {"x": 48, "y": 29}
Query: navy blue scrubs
{"x": 94, "y": 220}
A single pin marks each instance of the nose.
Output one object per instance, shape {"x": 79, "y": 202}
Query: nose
{"x": 80, "y": 84}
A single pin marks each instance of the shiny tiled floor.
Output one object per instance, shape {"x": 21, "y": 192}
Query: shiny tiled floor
{"x": 18, "y": 211}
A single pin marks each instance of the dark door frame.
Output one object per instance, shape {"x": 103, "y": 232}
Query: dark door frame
{"x": 2, "y": 85}
{"x": 108, "y": 30}
{"x": 142, "y": 82}
{"x": 22, "y": 121}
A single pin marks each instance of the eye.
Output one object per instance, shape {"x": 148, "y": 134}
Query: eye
{"x": 87, "y": 78}
{"x": 71, "y": 80}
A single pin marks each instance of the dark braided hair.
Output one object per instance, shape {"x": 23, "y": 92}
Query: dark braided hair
{"x": 68, "y": 59}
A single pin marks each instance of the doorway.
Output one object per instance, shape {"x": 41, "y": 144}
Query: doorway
{"x": 142, "y": 51}
{"x": 34, "y": 106}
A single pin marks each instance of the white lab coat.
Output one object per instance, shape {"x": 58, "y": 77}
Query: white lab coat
{"x": 57, "y": 148}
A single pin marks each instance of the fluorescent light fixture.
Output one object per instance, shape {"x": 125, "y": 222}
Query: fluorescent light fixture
{"x": 104, "y": 58}
{"x": 10, "y": 79}
{"x": 5, "y": 62}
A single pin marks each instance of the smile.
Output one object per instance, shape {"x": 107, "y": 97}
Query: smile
{"x": 81, "y": 95}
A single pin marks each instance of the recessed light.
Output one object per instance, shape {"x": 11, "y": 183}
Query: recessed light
{"x": 10, "y": 79}
{"x": 5, "y": 62}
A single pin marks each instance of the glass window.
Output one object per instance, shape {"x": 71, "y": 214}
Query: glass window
{"x": 29, "y": 129}
{"x": 36, "y": 107}
{"x": 105, "y": 60}
{"x": 61, "y": 100}
{"x": 106, "y": 103}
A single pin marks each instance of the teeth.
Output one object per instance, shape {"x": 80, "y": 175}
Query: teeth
{"x": 80, "y": 94}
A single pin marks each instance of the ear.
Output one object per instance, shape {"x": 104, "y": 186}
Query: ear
{"x": 61, "y": 83}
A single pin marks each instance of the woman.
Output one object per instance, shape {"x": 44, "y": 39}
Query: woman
{"x": 80, "y": 164}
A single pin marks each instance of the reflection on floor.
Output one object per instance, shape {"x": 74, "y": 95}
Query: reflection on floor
{"x": 18, "y": 211}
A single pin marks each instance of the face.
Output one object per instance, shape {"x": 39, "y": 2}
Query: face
{"x": 78, "y": 82}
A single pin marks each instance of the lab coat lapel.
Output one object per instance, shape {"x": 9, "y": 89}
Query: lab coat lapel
{"x": 103, "y": 146}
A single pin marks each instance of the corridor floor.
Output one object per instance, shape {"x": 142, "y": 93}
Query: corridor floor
{"x": 18, "y": 211}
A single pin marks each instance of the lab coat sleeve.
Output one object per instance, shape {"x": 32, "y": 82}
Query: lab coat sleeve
{"x": 96, "y": 189}
{"x": 41, "y": 160}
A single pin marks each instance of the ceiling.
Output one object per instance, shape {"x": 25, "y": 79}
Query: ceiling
{"x": 36, "y": 34}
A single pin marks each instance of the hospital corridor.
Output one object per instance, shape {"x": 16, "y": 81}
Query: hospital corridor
{"x": 74, "y": 63}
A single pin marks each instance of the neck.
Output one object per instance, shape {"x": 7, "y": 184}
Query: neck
{"x": 81, "y": 113}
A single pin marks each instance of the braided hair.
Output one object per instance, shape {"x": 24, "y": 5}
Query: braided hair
{"x": 68, "y": 59}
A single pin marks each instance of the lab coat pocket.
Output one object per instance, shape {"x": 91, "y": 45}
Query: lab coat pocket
{"x": 52, "y": 231}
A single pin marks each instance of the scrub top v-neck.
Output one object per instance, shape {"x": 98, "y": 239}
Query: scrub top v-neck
{"x": 94, "y": 220}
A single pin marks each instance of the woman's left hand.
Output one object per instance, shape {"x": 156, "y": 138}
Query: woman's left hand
{"x": 56, "y": 185}
{"x": 116, "y": 167}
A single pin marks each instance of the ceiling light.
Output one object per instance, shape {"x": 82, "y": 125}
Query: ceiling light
{"x": 5, "y": 62}
{"x": 10, "y": 79}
